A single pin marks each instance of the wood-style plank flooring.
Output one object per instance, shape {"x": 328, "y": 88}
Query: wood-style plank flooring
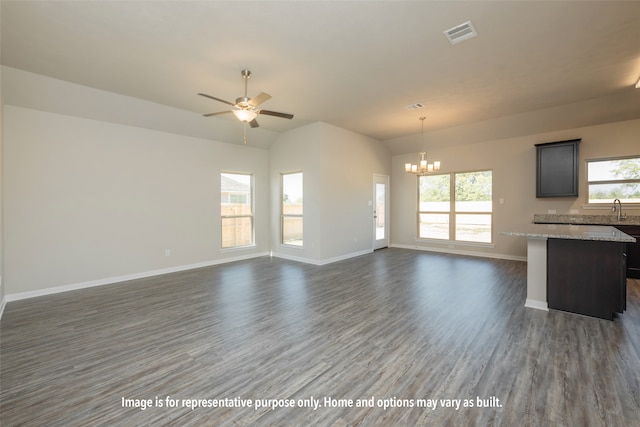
{"x": 397, "y": 325}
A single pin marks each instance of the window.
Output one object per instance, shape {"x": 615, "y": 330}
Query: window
{"x": 236, "y": 209}
{"x": 291, "y": 222}
{"x": 435, "y": 206}
{"x": 456, "y": 206}
{"x": 609, "y": 179}
{"x": 473, "y": 206}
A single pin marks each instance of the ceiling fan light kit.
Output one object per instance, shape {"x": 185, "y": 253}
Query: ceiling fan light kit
{"x": 245, "y": 108}
{"x": 423, "y": 167}
{"x": 245, "y": 115}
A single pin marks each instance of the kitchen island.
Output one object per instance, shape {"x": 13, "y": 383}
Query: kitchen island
{"x": 629, "y": 224}
{"x": 575, "y": 268}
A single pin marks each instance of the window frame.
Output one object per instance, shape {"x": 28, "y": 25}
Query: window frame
{"x": 250, "y": 215}
{"x": 452, "y": 212}
{"x": 284, "y": 216}
{"x": 434, "y": 212}
{"x": 607, "y": 204}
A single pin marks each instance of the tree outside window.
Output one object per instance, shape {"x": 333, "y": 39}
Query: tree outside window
{"x": 609, "y": 179}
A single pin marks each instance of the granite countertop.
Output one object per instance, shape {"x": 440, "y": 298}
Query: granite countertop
{"x": 586, "y": 219}
{"x": 572, "y": 232}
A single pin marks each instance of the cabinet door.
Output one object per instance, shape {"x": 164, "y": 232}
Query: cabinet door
{"x": 557, "y": 169}
{"x": 586, "y": 277}
{"x": 633, "y": 258}
{"x": 633, "y": 250}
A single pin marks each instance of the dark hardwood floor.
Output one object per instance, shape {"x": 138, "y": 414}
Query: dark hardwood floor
{"x": 398, "y": 326}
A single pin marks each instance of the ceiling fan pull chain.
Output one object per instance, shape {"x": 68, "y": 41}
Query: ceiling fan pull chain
{"x": 244, "y": 126}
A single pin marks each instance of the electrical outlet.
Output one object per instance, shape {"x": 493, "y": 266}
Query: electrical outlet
{"x": 574, "y": 211}
{"x": 551, "y": 211}
{"x": 167, "y": 252}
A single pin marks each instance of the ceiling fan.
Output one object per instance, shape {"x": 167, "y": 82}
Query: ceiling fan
{"x": 245, "y": 108}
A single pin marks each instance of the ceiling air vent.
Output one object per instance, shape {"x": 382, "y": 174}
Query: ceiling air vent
{"x": 461, "y": 33}
{"x": 414, "y": 106}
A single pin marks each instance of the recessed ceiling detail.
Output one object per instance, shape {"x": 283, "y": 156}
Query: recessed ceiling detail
{"x": 365, "y": 84}
{"x": 461, "y": 33}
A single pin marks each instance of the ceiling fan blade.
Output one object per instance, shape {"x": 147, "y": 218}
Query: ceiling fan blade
{"x": 215, "y": 114}
{"x": 254, "y": 123}
{"x": 259, "y": 99}
{"x": 276, "y": 114}
{"x": 215, "y": 99}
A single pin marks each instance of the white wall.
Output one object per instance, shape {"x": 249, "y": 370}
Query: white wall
{"x": 293, "y": 151}
{"x": 338, "y": 167}
{"x": 90, "y": 201}
{"x": 87, "y": 200}
{"x": 347, "y": 164}
{"x": 513, "y": 162}
{"x": 2, "y": 297}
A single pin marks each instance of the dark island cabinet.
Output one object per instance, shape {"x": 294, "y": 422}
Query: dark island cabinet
{"x": 633, "y": 250}
{"x": 586, "y": 277}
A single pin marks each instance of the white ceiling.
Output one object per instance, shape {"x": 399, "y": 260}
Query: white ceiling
{"x": 353, "y": 64}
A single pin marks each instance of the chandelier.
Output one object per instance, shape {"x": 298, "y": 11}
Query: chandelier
{"x": 423, "y": 167}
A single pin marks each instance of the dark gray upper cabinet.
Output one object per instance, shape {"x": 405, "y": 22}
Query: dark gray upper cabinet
{"x": 557, "y": 169}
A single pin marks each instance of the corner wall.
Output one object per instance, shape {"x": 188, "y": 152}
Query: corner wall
{"x": 338, "y": 167}
{"x": 2, "y": 297}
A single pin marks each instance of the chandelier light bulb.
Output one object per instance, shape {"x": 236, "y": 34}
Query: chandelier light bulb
{"x": 423, "y": 167}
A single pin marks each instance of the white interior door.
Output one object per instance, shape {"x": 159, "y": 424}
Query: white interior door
{"x": 380, "y": 211}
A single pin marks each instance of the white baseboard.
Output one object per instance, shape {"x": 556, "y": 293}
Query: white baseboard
{"x": 461, "y": 252}
{"x": 117, "y": 279}
{"x": 3, "y": 303}
{"x": 124, "y": 278}
{"x": 346, "y": 256}
{"x": 293, "y": 258}
{"x": 538, "y": 305}
{"x": 321, "y": 262}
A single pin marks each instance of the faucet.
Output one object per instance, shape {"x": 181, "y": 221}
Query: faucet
{"x": 619, "y": 209}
